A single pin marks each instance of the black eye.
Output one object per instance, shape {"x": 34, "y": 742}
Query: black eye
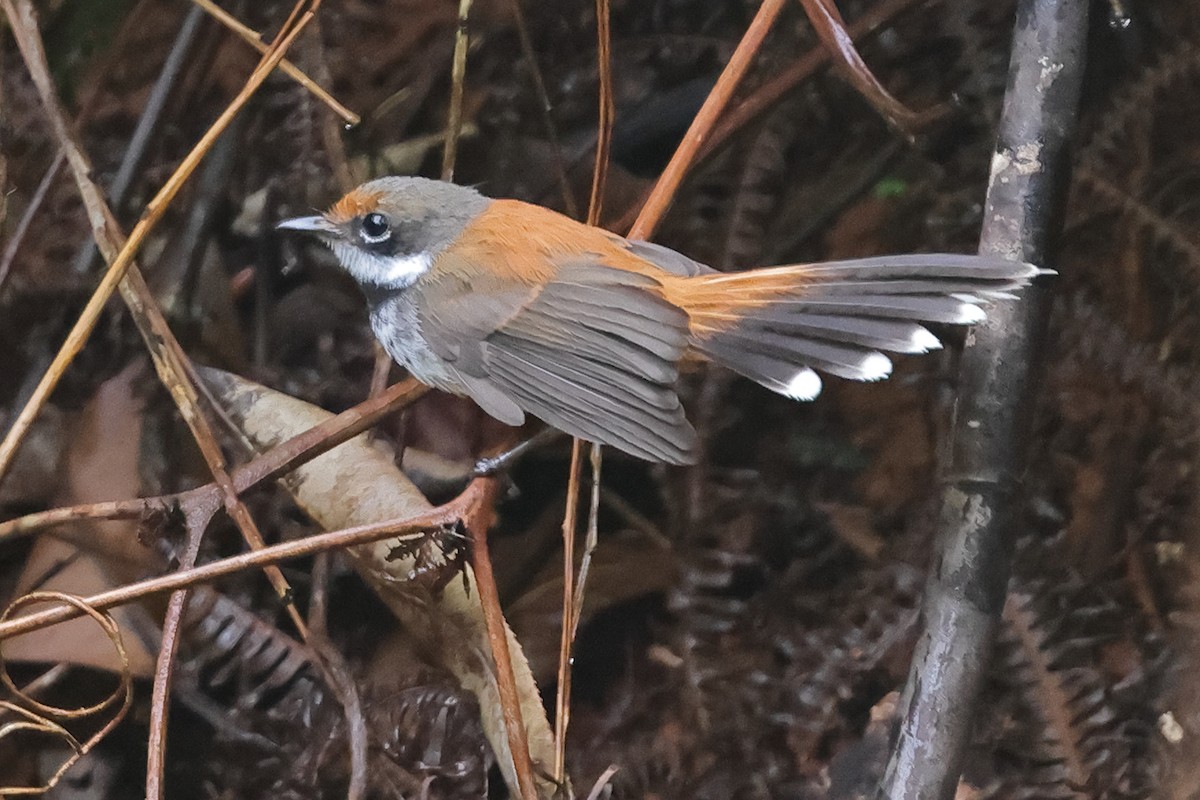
{"x": 375, "y": 228}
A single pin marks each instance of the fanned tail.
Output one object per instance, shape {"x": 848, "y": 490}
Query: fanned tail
{"x": 777, "y": 325}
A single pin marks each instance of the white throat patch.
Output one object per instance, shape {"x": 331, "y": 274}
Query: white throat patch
{"x": 390, "y": 272}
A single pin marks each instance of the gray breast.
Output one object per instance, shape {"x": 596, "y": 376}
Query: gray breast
{"x": 396, "y": 325}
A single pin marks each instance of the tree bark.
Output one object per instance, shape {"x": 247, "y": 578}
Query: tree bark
{"x": 981, "y": 499}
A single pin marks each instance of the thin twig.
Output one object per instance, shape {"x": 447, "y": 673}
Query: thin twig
{"x": 35, "y": 203}
{"x": 573, "y": 590}
{"x": 457, "y": 509}
{"x": 147, "y": 125}
{"x": 839, "y": 42}
{"x": 980, "y": 503}
{"x": 539, "y": 88}
{"x": 254, "y": 38}
{"x": 602, "y": 782}
{"x": 164, "y": 668}
{"x": 591, "y": 540}
{"x": 562, "y": 697}
{"x": 23, "y": 22}
{"x": 318, "y": 596}
{"x": 275, "y": 462}
{"x": 668, "y": 183}
{"x": 767, "y": 95}
{"x": 497, "y": 632}
{"x": 458, "y": 75}
{"x": 607, "y": 113}
{"x": 117, "y": 509}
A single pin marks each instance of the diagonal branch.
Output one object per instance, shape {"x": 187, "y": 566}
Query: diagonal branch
{"x": 839, "y": 42}
{"x": 254, "y": 39}
{"x": 277, "y": 461}
{"x": 467, "y": 508}
{"x": 980, "y": 504}
{"x": 170, "y": 361}
{"x": 118, "y": 251}
{"x": 697, "y": 133}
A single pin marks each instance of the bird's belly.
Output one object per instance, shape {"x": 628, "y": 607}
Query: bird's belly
{"x": 396, "y": 326}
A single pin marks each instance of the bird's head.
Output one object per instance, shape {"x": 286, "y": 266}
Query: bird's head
{"x": 387, "y": 232}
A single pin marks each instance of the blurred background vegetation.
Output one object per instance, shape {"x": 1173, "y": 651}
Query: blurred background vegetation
{"x": 750, "y": 619}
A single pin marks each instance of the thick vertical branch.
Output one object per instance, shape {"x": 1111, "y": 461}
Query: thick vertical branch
{"x": 980, "y": 501}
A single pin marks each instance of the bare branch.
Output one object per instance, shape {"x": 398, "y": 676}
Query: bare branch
{"x": 981, "y": 497}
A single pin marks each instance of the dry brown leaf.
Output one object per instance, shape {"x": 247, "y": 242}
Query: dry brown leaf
{"x": 357, "y": 484}
{"x": 854, "y": 525}
{"x": 622, "y": 569}
{"x": 85, "y": 558}
{"x": 79, "y": 641}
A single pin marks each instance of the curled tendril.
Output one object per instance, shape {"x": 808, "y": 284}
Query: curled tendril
{"x": 40, "y": 717}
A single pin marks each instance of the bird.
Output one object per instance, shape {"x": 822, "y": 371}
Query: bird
{"x": 529, "y": 312}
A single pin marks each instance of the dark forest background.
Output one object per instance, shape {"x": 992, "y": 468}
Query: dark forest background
{"x": 749, "y": 620}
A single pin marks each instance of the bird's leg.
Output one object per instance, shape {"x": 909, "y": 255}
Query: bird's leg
{"x": 490, "y": 465}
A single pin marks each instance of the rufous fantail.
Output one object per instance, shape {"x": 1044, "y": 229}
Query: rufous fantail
{"x": 527, "y": 311}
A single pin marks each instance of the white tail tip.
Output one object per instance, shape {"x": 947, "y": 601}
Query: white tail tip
{"x": 875, "y": 367}
{"x": 970, "y": 314}
{"x": 923, "y": 341}
{"x": 804, "y": 385}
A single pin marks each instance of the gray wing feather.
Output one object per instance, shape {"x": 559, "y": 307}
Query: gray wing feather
{"x": 666, "y": 258}
{"x": 594, "y": 353}
{"x": 576, "y": 402}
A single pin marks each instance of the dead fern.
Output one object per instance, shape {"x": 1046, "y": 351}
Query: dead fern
{"x": 1121, "y": 129}
{"x": 229, "y": 647}
{"x": 1134, "y": 216}
{"x": 425, "y": 741}
{"x": 285, "y": 735}
{"x": 1075, "y": 682}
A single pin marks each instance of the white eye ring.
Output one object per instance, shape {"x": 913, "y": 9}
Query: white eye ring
{"x": 375, "y": 228}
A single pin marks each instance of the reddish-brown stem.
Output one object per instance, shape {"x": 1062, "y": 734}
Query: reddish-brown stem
{"x": 766, "y": 96}
{"x": 562, "y": 697}
{"x": 156, "y": 745}
{"x": 446, "y": 514}
{"x": 278, "y": 460}
{"x": 497, "y": 631}
{"x": 117, "y": 509}
{"x": 668, "y": 183}
{"x": 839, "y": 43}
